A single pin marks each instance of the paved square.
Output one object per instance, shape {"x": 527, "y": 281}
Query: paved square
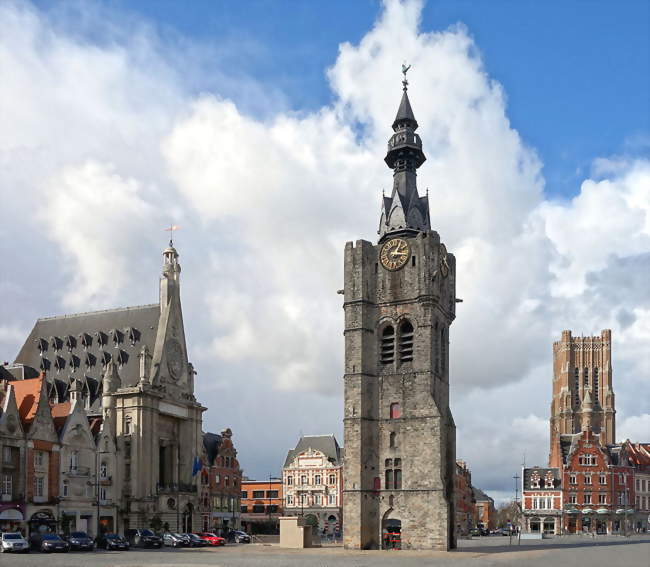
{"x": 562, "y": 552}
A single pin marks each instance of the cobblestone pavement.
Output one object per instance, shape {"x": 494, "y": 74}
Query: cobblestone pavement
{"x": 484, "y": 552}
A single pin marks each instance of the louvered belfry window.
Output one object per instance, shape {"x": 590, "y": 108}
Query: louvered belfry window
{"x": 387, "y": 354}
{"x": 405, "y": 341}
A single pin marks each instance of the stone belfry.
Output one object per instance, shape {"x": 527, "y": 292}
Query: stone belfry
{"x": 399, "y": 301}
{"x": 583, "y": 397}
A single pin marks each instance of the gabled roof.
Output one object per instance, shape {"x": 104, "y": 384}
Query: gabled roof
{"x": 326, "y": 444}
{"x": 480, "y": 496}
{"x": 60, "y": 413}
{"x": 27, "y": 394}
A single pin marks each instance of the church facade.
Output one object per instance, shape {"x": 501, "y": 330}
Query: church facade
{"x": 124, "y": 376}
{"x": 399, "y": 302}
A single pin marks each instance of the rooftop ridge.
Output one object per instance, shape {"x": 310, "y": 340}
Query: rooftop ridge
{"x": 84, "y": 313}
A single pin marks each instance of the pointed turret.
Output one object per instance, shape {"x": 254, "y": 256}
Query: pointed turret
{"x": 170, "y": 278}
{"x": 587, "y": 411}
{"x": 404, "y": 212}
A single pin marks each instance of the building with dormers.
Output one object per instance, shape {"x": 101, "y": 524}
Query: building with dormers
{"x": 312, "y": 482}
{"x": 126, "y": 371}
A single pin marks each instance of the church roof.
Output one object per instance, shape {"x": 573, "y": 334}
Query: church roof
{"x": 480, "y": 496}
{"x": 326, "y": 444}
{"x": 80, "y": 345}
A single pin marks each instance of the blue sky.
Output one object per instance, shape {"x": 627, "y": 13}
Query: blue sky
{"x": 123, "y": 115}
{"x": 576, "y": 74}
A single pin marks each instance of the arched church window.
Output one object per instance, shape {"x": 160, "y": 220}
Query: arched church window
{"x": 586, "y": 377}
{"x": 395, "y": 411}
{"x": 596, "y": 385}
{"x": 405, "y": 341}
{"x": 576, "y": 387}
{"x": 387, "y": 354}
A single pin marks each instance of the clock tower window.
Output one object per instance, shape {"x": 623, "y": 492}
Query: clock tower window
{"x": 405, "y": 341}
{"x": 387, "y": 354}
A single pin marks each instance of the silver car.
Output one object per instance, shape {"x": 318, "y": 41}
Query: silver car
{"x": 12, "y": 542}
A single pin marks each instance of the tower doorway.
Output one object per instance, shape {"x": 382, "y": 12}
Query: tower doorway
{"x": 391, "y": 532}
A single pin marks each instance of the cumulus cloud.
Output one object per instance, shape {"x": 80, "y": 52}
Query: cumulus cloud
{"x": 107, "y": 142}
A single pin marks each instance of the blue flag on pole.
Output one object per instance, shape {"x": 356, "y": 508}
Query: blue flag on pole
{"x": 196, "y": 466}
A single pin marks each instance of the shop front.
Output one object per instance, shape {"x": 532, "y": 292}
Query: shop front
{"x": 42, "y": 521}
{"x": 12, "y": 517}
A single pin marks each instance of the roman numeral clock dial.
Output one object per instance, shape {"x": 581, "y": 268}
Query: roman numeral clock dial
{"x": 394, "y": 254}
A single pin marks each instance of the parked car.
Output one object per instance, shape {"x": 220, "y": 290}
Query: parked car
{"x": 81, "y": 540}
{"x": 238, "y": 536}
{"x": 112, "y": 541}
{"x": 171, "y": 539}
{"x": 196, "y": 541}
{"x": 13, "y": 542}
{"x": 49, "y": 542}
{"x": 211, "y": 538}
{"x": 185, "y": 538}
{"x": 143, "y": 538}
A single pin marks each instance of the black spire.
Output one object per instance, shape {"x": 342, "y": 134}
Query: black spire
{"x": 404, "y": 212}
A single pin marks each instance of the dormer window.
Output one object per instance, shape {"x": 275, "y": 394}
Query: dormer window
{"x": 42, "y": 346}
{"x": 90, "y": 360}
{"x": 534, "y": 480}
{"x": 122, "y": 358}
{"x": 56, "y": 343}
{"x": 133, "y": 335}
{"x": 59, "y": 363}
{"x": 117, "y": 337}
{"x": 102, "y": 338}
{"x": 74, "y": 362}
{"x": 44, "y": 365}
{"x": 86, "y": 340}
{"x": 548, "y": 480}
{"x": 70, "y": 342}
{"x": 105, "y": 358}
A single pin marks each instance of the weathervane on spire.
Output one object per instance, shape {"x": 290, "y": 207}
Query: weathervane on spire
{"x": 405, "y": 69}
{"x": 171, "y": 230}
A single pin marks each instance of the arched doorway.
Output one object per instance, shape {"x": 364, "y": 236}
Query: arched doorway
{"x": 41, "y": 522}
{"x": 535, "y": 525}
{"x": 391, "y": 531}
{"x": 332, "y": 520}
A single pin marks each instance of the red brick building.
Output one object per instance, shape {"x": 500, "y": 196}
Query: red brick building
{"x": 221, "y": 479}
{"x": 485, "y": 514}
{"x": 464, "y": 495}
{"x": 261, "y": 505}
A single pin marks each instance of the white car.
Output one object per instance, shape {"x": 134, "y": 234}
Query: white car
{"x": 13, "y": 542}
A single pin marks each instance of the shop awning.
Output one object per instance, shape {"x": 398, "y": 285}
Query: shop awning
{"x": 10, "y": 514}
{"x": 587, "y": 511}
{"x": 602, "y": 511}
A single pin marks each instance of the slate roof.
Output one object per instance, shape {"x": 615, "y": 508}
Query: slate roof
{"x": 326, "y": 444}
{"x": 480, "y": 496}
{"x": 211, "y": 443}
{"x": 79, "y": 345}
{"x": 557, "y": 478}
{"x": 568, "y": 444}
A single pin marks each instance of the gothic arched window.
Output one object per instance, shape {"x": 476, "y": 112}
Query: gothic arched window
{"x": 387, "y": 354}
{"x": 586, "y": 377}
{"x": 595, "y": 381}
{"x": 405, "y": 341}
{"x": 576, "y": 387}
{"x": 392, "y": 440}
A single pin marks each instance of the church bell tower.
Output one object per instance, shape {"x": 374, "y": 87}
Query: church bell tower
{"x": 399, "y": 302}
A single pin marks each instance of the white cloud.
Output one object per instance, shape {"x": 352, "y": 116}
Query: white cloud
{"x": 105, "y": 144}
{"x": 635, "y": 428}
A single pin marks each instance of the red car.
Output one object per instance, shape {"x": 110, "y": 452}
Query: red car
{"x": 211, "y": 538}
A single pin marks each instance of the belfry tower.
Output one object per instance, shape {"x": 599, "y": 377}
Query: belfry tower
{"x": 583, "y": 397}
{"x": 400, "y": 437}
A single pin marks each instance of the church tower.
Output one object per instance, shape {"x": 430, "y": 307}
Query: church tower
{"x": 583, "y": 397}
{"x": 399, "y": 301}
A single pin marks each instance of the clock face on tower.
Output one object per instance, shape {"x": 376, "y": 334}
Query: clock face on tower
{"x": 394, "y": 254}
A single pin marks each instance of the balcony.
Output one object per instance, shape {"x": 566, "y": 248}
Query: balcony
{"x": 78, "y": 471}
{"x": 174, "y": 488}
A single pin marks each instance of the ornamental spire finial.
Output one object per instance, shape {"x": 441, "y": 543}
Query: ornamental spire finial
{"x": 405, "y": 69}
